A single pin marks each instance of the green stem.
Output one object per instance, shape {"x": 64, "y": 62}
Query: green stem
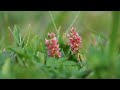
{"x": 53, "y": 21}
{"x": 113, "y": 36}
{"x": 72, "y": 22}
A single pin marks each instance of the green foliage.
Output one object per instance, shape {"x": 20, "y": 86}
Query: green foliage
{"x": 6, "y": 69}
{"x": 23, "y": 52}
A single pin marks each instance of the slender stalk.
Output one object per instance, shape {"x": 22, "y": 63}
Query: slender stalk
{"x": 73, "y": 22}
{"x": 29, "y": 27}
{"x": 13, "y": 34}
{"x": 10, "y": 30}
{"x": 53, "y": 21}
{"x": 114, "y": 31}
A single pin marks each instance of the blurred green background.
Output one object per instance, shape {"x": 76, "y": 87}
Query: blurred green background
{"x": 97, "y": 22}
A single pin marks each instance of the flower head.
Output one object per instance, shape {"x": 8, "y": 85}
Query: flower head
{"x": 75, "y": 41}
{"x": 52, "y": 46}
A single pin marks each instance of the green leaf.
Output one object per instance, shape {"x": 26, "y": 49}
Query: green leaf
{"x": 51, "y": 62}
{"x": 72, "y": 57}
{"x": 6, "y": 68}
{"x": 41, "y": 57}
{"x": 69, "y": 63}
{"x": 16, "y": 34}
{"x": 62, "y": 59}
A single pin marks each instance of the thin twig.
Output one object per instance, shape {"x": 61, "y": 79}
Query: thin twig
{"x": 53, "y": 21}
{"x": 13, "y": 34}
{"x": 28, "y": 35}
{"x": 73, "y": 21}
{"x": 59, "y": 31}
{"x": 10, "y": 30}
{"x": 89, "y": 28}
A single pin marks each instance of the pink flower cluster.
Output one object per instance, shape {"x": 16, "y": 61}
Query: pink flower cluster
{"x": 52, "y": 46}
{"x": 75, "y": 40}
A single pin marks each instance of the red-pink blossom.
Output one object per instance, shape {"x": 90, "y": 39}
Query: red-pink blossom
{"x": 52, "y": 46}
{"x": 75, "y": 41}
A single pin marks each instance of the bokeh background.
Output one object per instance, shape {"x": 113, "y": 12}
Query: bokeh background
{"x": 97, "y": 22}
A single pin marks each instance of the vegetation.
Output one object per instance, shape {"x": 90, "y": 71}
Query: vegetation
{"x": 59, "y": 45}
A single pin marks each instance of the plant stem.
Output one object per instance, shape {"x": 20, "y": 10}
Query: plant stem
{"x": 114, "y": 31}
{"x": 53, "y": 21}
{"x": 73, "y": 22}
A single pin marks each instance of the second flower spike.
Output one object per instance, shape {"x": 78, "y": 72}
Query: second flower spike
{"x": 75, "y": 41}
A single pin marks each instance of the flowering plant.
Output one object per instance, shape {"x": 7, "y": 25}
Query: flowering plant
{"x": 75, "y": 40}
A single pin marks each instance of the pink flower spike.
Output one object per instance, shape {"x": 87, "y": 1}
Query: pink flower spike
{"x": 52, "y": 46}
{"x": 75, "y": 41}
